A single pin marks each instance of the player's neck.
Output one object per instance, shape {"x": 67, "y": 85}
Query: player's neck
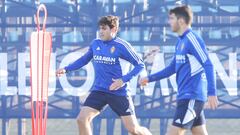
{"x": 182, "y": 29}
{"x": 113, "y": 37}
{"x": 110, "y": 39}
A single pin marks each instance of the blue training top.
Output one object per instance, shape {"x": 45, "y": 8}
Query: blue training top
{"x": 194, "y": 71}
{"x": 106, "y": 58}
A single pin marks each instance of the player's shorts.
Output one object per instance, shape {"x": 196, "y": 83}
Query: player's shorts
{"x": 189, "y": 113}
{"x": 122, "y": 105}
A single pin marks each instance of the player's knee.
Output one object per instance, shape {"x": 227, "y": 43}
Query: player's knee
{"x": 82, "y": 120}
{"x": 146, "y": 131}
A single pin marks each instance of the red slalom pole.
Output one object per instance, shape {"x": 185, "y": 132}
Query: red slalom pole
{"x": 32, "y": 104}
{"x": 40, "y": 53}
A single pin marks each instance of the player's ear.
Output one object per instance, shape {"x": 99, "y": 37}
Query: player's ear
{"x": 181, "y": 20}
{"x": 114, "y": 30}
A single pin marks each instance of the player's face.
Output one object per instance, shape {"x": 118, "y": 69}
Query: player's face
{"x": 173, "y": 22}
{"x": 105, "y": 33}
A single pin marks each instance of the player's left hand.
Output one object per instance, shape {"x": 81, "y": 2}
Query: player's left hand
{"x": 213, "y": 102}
{"x": 117, "y": 83}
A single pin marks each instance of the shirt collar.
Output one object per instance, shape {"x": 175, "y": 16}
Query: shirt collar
{"x": 185, "y": 33}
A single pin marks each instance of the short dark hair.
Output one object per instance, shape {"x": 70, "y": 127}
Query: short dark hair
{"x": 184, "y": 12}
{"x": 110, "y": 20}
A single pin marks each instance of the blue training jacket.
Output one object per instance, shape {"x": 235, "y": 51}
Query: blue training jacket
{"x": 106, "y": 58}
{"x": 194, "y": 71}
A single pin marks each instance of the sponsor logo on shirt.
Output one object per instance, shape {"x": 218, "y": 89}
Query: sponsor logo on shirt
{"x": 104, "y": 59}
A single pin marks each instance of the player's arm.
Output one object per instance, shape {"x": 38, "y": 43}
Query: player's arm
{"x": 128, "y": 53}
{"x": 166, "y": 72}
{"x": 198, "y": 49}
{"x": 131, "y": 56}
{"x": 82, "y": 61}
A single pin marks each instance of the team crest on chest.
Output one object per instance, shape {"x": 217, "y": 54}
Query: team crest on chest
{"x": 112, "y": 49}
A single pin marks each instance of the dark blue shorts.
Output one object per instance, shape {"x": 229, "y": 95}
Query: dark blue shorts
{"x": 122, "y": 105}
{"x": 189, "y": 113}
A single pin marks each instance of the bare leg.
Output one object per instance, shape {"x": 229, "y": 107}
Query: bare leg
{"x": 84, "y": 120}
{"x": 131, "y": 124}
{"x": 173, "y": 130}
{"x": 199, "y": 130}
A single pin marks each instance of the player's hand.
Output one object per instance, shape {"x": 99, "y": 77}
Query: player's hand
{"x": 213, "y": 102}
{"x": 117, "y": 83}
{"x": 143, "y": 81}
{"x": 60, "y": 72}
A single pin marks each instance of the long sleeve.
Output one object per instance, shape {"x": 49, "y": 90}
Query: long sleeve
{"x": 166, "y": 72}
{"x": 198, "y": 49}
{"x": 82, "y": 61}
{"x": 131, "y": 56}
